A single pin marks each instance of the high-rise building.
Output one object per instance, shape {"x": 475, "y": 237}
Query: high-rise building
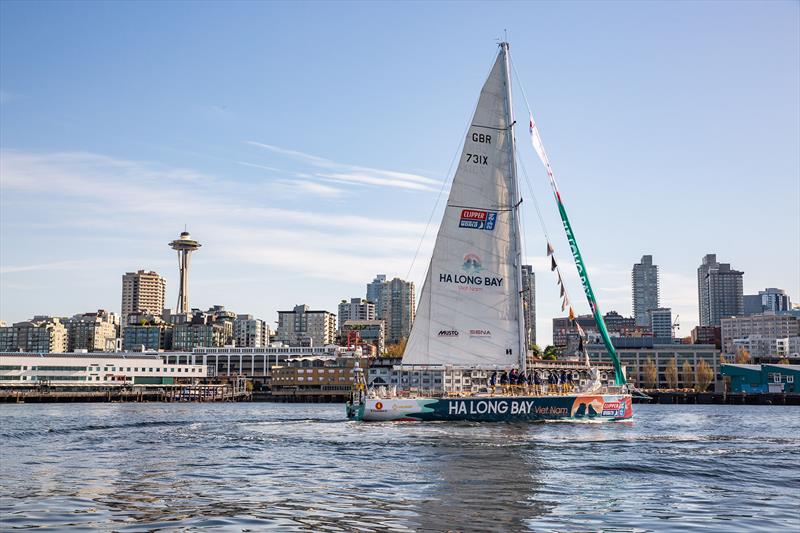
{"x": 661, "y": 323}
{"x": 355, "y": 309}
{"x": 94, "y": 332}
{"x": 752, "y": 304}
{"x": 375, "y": 292}
{"x": 142, "y": 292}
{"x": 41, "y": 334}
{"x": 250, "y": 332}
{"x": 529, "y": 303}
{"x": 719, "y": 291}
{"x": 398, "y": 309}
{"x": 184, "y": 245}
{"x": 644, "y": 278}
{"x": 770, "y": 299}
{"x": 305, "y": 327}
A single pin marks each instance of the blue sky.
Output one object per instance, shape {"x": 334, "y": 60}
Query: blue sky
{"x": 304, "y": 144}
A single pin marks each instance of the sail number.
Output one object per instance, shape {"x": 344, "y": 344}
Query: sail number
{"x": 477, "y": 159}
{"x": 481, "y": 138}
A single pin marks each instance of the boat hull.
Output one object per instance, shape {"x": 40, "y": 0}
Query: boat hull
{"x": 575, "y": 407}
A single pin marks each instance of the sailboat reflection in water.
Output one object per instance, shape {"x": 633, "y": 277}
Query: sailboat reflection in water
{"x": 511, "y": 477}
{"x": 469, "y": 323}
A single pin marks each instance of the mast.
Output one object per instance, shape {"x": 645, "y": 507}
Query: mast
{"x": 516, "y": 201}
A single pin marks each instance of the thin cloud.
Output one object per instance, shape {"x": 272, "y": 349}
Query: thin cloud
{"x": 262, "y": 167}
{"x": 373, "y": 180}
{"x": 308, "y": 158}
{"x": 57, "y": 265}
{"x": 228, "y": 214}
{"x": 353, "y": 174}
{"x": 311, "y": 187}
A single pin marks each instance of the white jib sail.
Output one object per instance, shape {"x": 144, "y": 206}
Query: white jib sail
{"x": 468, "y": 313}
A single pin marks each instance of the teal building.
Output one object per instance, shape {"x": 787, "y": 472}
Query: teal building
{"x": 763, "y": 378}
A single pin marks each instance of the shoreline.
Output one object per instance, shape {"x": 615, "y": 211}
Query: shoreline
{"x": 170, "y": 396}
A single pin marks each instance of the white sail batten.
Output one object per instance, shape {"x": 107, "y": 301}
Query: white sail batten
{"x": 469, "y": 309}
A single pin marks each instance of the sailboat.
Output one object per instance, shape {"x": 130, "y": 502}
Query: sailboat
{"x": 470, "y": 320}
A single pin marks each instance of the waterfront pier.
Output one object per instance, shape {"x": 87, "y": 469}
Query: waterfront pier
{"x": 222, "y": 392}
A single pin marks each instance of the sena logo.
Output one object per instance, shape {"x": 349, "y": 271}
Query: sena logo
{"x": 448, "y": 333}
{"x": 480, "y": 333}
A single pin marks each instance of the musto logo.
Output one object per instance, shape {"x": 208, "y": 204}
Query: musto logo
{"x": 448, "y": 333}
{"x": 378, "y": 406}
{"x": 477, "y": 219}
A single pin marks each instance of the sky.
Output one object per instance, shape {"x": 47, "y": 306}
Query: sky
{"x": 305, "y": 145}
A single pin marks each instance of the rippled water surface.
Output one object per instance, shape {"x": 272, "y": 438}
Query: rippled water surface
{"x": 256, "y": 466}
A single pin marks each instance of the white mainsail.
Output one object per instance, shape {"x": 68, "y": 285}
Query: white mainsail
{"x": 469, "y": 311}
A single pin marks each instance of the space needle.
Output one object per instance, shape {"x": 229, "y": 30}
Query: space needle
{"x": 184, "y": 245}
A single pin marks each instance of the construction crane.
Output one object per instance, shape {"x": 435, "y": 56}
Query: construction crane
{"x": 675, "y": 326}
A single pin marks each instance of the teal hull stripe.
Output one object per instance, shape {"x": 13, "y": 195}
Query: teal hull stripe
{"x": 500, "y": 409}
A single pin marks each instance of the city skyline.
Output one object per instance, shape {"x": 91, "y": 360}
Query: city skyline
{"x": 300, "y": 193}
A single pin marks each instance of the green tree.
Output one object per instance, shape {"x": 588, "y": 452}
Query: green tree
{"x": 536, "y": 351}
{"x": 551, "y": 353}
{"x": 650, "y": 374}
{"x": 671, "y": 373}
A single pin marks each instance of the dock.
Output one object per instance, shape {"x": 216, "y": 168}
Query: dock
{"x": 720, "y": 398}
{"x": 146, "y": 393}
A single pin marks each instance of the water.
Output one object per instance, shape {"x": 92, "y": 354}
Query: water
{"x": 256, "y": 466}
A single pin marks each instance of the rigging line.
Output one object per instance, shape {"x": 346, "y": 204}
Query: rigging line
{"x": 553, "y": 183}
{"x": 499, "y": 209}
{"x": 541, "y": 222}
{"x": 535, "y": 201}
{"x": 545, "y": 158}
{"x": 447, "y": 176}
{"x": 494, "y": 128}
